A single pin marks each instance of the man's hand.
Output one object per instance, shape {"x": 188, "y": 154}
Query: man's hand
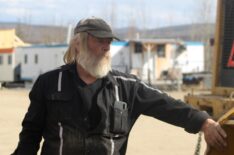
{"x": 214, "y": 134}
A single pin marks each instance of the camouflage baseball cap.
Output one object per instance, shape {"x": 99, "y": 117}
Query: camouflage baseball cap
{"x": 96, "y": 27}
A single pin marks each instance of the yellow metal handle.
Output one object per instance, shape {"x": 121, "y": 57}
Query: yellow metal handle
{"x": 232, "y": 95}
{"x": 223, "y": 119}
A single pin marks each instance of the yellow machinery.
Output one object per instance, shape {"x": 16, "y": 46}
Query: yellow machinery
{"x": 227, "y": 123}
{"x": 220, "y": 102}
{"x": 221, "y": 98}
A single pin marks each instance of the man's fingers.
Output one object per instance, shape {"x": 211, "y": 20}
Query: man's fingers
{"x": 215, "y": 139}
{"x": 221, "y": 131}
{"x": 218, "y": 140}
{"x": 221, "y": 135}
{"x": 222, "y": 141}
{"x": 219, "y": 145}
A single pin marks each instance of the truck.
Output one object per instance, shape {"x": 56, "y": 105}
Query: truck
{"x": 221, "y": 97}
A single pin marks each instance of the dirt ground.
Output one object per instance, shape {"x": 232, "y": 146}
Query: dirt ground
{"x": 148, "y": 137}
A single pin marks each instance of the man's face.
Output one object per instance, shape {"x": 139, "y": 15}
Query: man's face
{"x": 96, "y": 60}
{"x": 99, "y": 46}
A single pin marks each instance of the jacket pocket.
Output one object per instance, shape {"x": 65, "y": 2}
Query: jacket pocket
{"x": 59, "y": 106}
{"x": 119, "y": 118}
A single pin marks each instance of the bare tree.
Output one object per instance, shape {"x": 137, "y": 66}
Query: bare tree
{"x": 204, "y": 15}
{"x": 131, "y": 28}
{"x": 113, "y": 13}
{"x": 142, "y": 14}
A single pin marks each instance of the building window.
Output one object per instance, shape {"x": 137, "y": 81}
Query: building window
{"x": 138, "y": 47}
{"x": 25, "y": 59}
{"x": 1, "y": 59}
{"x": 9, "y": 59}
{"x": 36, "y": 59}
{"x": 161, "y": 51}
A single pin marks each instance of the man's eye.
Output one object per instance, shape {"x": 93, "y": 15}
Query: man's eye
{"x": 105, "y": 41}
{"x": 100, "y": 41}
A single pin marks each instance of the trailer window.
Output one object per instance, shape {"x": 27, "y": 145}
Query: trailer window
{"x": 161, "y": 51}
{"x": 1, "y": 60}
{"x": 36, "y": 59}
{"x": 25, "y": 59}
{"x": 9, "y": 59}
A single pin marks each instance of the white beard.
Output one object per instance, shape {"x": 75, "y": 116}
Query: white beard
{"x": 97, "y": 66}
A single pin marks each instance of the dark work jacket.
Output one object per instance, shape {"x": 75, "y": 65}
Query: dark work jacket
{"x": 54, "y": 115}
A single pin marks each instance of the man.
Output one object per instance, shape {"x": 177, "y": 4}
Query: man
{"x": 84, "y": 107}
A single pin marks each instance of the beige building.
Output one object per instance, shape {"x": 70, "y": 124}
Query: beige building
{"x": 150, "y": 57}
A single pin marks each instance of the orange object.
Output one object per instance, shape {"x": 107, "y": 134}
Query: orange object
{"x": 231, "y": 58}
{"x": 8, "y": 50}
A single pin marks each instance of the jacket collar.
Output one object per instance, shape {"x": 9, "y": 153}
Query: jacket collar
{"x": 69, "y": 67}
{"x": 111, "y": 79}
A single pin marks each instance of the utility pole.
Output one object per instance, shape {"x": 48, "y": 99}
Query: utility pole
{"x": 149, "y": 47}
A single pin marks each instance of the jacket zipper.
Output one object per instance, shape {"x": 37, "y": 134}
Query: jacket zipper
{"x": 111, "y": 138}
{"x": 112, "y": 146}
{"x": 61, "y": 138}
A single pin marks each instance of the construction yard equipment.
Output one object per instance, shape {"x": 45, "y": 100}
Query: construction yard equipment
{"x": 221, "y": 97}
{"x": 219, "y": 103}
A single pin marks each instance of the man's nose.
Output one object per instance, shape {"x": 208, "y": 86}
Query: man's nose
{"x": 106, "y": 46}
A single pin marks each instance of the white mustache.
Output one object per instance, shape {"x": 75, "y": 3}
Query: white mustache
{"x": 97, "y": 65}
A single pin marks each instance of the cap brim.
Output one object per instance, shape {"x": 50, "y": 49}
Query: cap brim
{"x": 103, "y": 34}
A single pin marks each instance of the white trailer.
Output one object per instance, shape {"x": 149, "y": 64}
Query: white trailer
{"x": 7, "y": 65}
{"x": 192, "y": 59}
{"x": 38, "y": 59}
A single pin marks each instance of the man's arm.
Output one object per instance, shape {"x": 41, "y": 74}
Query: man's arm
{"x": 152, "y": 102}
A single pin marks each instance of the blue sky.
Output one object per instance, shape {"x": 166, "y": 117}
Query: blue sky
{"x": 119, "y": 13}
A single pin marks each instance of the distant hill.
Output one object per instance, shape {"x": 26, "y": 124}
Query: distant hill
{"x": 190, "y": 32}
{"x": 39, "y": 34}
